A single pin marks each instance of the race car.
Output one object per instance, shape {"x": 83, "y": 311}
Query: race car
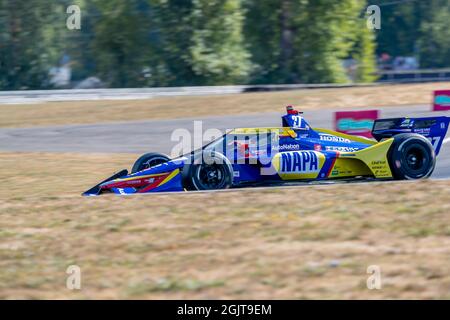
{"x": 402, "y": 148}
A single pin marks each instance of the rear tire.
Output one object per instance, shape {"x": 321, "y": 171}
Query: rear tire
{"x": 149, "y": 160}
{"x": 213, "y": 172}
{"x": 411, "y": 157}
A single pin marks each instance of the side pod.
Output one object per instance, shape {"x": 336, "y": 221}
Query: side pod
{"x": 375, "y": 158}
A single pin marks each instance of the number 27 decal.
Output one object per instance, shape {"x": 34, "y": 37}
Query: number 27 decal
{"x": 297, "y": 121}
{"x": 434, "y": 141}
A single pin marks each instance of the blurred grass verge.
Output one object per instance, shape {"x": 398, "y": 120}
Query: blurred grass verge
{"x": 299, "y": 242}
{"x": 88, "y": 112}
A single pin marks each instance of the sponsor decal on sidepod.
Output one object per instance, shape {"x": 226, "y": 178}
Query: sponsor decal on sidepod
{"x": 341, "y": 149}
{"x": 331, "y": 138}
{"x": 286, "y": 147}
{"x": 299, "y": 162}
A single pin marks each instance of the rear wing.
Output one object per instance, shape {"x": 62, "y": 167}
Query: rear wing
{"x": 433, "y": 128}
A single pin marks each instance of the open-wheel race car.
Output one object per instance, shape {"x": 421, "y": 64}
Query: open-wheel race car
{"x": 402, "y": 148}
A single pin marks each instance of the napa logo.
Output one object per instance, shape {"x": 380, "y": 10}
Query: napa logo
{"x": 347, "y": 124}
{"x": 442, "y": 100}
{"x": 299, "y": 162}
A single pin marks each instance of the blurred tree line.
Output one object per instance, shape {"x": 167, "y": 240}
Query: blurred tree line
{"x": 137, "y": 43}
{"x": 416, "y": 28}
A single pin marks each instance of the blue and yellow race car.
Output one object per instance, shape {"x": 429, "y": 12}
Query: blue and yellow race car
{"x": 403, "y": 148}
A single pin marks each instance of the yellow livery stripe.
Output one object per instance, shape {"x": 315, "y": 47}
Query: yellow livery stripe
{"x": 170, "y": 177}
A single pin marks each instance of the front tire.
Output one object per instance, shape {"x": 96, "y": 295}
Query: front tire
{"x": 149, "y": 160}
{"x": 214, "y": 172}
{"x": 411, "y": 157}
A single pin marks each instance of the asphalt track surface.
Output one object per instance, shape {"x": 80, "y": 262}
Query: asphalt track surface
{"x": 155, "y": 136}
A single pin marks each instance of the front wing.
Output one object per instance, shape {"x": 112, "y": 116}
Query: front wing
{"x": 161, "y": 178}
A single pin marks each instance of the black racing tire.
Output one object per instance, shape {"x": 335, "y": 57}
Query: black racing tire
{"x": 149, "y": 160}
{"x": 411, "y": 157}
{"x": 212, "y": 173}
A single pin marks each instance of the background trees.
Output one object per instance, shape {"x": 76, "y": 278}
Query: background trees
{"x": 120, "y": 42}
{"x": 433, "y": 45}
{"x": 28, "y": 43}
{"x": 199, "y": 42}
{"x": 138, "y": 43}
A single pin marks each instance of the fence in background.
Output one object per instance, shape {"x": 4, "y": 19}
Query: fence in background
{"x": 421, "y": 75}
{"x": 36, "y": 96}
